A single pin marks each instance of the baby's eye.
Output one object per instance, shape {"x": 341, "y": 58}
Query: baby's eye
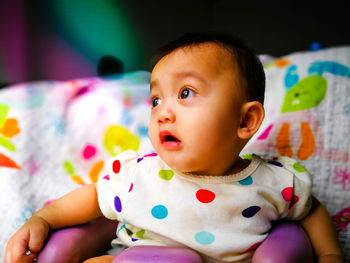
{"x": 156, "y": 101}
{"x": 186, "y": 93}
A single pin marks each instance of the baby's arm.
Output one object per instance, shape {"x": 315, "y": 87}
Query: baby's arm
{"x": 321, "y": 232}
{"x": 77, "y": 207}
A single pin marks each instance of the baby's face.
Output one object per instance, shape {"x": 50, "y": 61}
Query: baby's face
{"x": 197, "y": 100}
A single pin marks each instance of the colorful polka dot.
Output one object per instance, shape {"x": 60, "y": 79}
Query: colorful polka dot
{"x": 140, "y": 233}
{"x": 248, "y": 156}
{"x": 287, "y": 193}
{"x": 131, "y": 187}
{"x": 254, "y": 246}
{"x": 204, "y": 238}
{"x": 251, "y": 211}
{"x": 166, "y": 174}
{"x": 117, "y": 204}
{"x": 205, "y": 196}
{"x": 106, "y": 177}
{"x": 299, "y": 168}
{"x": 134, "y": 239}
{"x": 121, "y": 228}
{"x": 89, "y": 151}
{"x": 139, "y": 159}
{"x": 276, "y": 163}
{"x": 159, "y": 212}
{"x": 116, "y": 166}
{"x": 151, "y": 155}
{"x": 246, "y": 181}
{"x": 294, "y": 200}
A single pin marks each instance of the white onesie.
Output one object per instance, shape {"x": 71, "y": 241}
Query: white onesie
{"x": 221, "y": 217}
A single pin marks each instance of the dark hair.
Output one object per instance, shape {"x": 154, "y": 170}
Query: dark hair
{"x": 249, "y": 64}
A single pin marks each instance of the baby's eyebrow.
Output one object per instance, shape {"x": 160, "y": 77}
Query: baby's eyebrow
{"x": 153, "y": 84}
{"x": 190, "y": 73}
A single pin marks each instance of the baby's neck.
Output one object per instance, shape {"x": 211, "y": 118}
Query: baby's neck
{"x": 237, "y": 166}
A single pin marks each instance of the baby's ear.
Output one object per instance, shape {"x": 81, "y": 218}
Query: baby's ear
{"x": 252, "y": 115}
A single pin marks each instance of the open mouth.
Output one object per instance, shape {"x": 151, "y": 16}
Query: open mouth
{"x": 168, "y": 139}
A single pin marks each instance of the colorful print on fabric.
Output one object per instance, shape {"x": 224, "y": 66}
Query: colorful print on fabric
{"x": 306, "y": 94}
{"x": 205, "y": 196}
{"x": 251, "y": 211}
{"x": 159, "y": 212}
{"x": 118, "y": 139}
{"x": 246, "y": 181}
{"x": 166, "y": 174}
{"x": 342, "y": 177}
{"x": 291, "y": 77}
{"x": 88, "y": 153}
{"x": 335, "y": 68}
{"x": 342, "y": 219}
{"x": 9, "y": 128}
{"x": 25, "y": 214}
{"x": 204, "y": 238}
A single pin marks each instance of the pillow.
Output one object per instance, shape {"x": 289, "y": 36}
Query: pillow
{"x": 307, "y": 103}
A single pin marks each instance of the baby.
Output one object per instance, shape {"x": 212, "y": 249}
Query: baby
{"x": 196, "y": 191}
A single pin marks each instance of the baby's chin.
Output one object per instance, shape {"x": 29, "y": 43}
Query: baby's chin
{"x": 182, "y": 166}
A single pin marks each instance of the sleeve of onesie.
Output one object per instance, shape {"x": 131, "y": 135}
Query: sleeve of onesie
{"x": 114, "y": 183}
{"x": 299, "y": 195}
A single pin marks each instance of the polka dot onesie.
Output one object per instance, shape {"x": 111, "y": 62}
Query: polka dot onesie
{"x": 224, "y": 218}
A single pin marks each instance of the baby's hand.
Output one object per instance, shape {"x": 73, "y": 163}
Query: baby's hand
{"x": 30, "y": 237}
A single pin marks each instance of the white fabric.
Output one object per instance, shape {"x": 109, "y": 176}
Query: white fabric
{"x": 221, "y": 217}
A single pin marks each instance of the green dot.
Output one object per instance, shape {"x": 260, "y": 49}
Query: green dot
{"x": 248, "y": 156}
{"x": 140, "y": 233}
{"x": 299, "y": 168}
{"x": 166, "y": 174}
{"x": 68, "y": 166}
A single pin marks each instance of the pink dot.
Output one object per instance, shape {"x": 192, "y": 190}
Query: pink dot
{"x": 116, "y": 166}
{"x": 150, "y": 155}
{"x": 205, "y": 196}
{"x": 287, "y": 193}
{"x": 266, "y": 133}
{"x": 106, "y": 177}
{"x": 131, "y": 187}
{"x": 89, "y": 151}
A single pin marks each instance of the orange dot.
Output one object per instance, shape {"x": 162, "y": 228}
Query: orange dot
{"x": 282, "y": 62}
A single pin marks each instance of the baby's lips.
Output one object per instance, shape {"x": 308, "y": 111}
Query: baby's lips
{"x": 163, "y": 136}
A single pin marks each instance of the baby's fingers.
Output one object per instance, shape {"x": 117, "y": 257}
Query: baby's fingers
{"x": 16, "y": 251}
{"x": 37, "y": 236}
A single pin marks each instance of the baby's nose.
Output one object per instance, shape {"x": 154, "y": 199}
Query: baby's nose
{"x": 166, "y": 114}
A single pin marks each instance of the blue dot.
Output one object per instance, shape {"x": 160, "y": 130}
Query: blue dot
{"x": 204, "y": 238}
{"x": 251, "y": 211}
{"x": 139, "y": 159}
{"x": 276, "y": 163}
{"x": 117, "y": 204}
{"x": 159, "y": 212}
{"x": 246, "y": 181}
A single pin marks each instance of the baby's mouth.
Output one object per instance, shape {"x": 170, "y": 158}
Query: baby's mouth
{"x": 169, "y": 140}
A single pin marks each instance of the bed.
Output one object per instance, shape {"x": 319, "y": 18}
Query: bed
{"x": 56, "y": 135}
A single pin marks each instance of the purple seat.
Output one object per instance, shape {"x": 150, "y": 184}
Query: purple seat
{"x": 287, "y": 243}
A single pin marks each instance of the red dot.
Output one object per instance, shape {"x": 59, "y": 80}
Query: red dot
{"x": 205, "y": 196}
{"x": 254, "y": 246}
{"x": 287, "y": 193}
{"x": 116, "y": 166}
{"x": 294, "y": 200}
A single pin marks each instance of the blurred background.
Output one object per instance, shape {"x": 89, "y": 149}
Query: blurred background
{"x": 64, "y": 39}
